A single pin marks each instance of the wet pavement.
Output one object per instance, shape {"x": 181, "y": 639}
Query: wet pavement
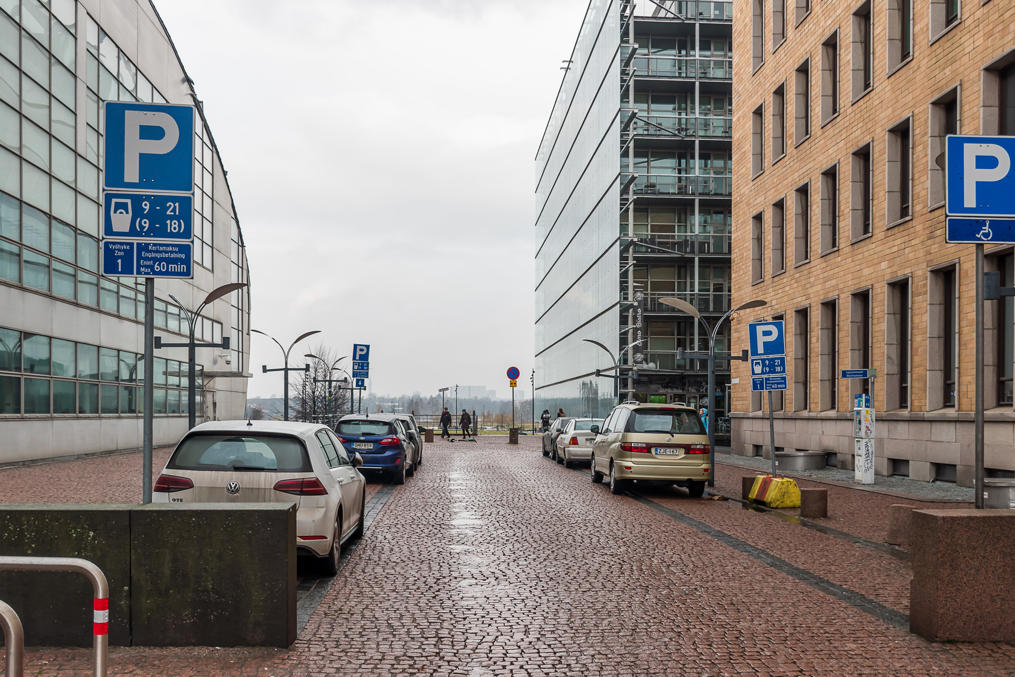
{"x": 493, "y": 560}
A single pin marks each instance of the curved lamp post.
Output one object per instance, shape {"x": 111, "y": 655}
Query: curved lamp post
{"x": 333, "y": 367}
{"x": 711, "y": 333}
{"x": 616, "y": 365}
{"x": 285, "y": 369}
{"x": 191, "y": 316}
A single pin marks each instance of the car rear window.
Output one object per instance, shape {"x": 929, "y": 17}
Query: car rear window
{"x": 665, "y": 421}
{"x": 276, "y": 453}
{"x": 364, "y": 428}
{"x": 587, "y": 425}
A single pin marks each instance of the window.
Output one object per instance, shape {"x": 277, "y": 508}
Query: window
{"x": 801, "y": 340}
{"x": 778, "y": 123}
{"x": 828, "y": 361}
{"x": 898, "y": 320}
{"x": 899, "y": 172}
{"x": 802, "y": 224}
{"x": 778, "y": 236}
{"x": 830, "y": 77}
{"x": 778, "y": 23}
{"x": 1007, "y": 107}
{"x": 757, "y": 34}
{"x": 860, "y": 339}
{"x": 1004, "y": 324}
{"x": 777, "y": 396}
{"x": 899, "y": 19}
{"x": 757, "y": 248}
{"x": 328, "y": 447}
{"x": 861, "y": 198}
{"x": 863, "y": 50}
{"x": 758, "y": 140}
{"x": 944, "y": 120}
{"x": 803, "y": 8}
{"x": 830, "y": 209}
{"x": 802, "y": 102}
{"x": 943, "y": 15}
{"x": 942, "y": 339}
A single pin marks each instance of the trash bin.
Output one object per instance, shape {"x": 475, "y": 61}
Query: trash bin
{"x": 513, "y": 436}
{"x": 999, "y": 492}
{"x": 428, "y": 435}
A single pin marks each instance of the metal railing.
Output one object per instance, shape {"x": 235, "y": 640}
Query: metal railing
{"x": 14, "y": 640}
{"x": 690, "y": 244}
{"x": 100, "y": 606}
{"x": 705, "y": 302}
{"x": 711, "y": 126}
{"x": 689, "y": 67}
{"x": 715, "y": 10}
{"x": 683, "y": 184}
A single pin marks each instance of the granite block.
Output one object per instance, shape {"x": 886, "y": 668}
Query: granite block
{"x": 900, "y": 517}
{"x": 814, "y": 503}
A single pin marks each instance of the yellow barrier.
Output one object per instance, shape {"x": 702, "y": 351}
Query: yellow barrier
{"x": 775, "y": 492}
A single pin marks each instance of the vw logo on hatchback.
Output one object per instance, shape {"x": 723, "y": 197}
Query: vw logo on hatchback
{"x": 233, "y": 488}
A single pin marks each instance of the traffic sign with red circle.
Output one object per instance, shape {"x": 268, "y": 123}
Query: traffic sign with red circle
{"x": 513, "y": 373}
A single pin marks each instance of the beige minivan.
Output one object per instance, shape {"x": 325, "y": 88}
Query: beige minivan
{"x": 654, "y": 442}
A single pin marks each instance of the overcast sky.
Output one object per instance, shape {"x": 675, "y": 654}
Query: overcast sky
{"x": 380, "y": 154}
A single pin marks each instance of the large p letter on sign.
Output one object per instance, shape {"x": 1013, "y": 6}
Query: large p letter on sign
{"x": 149, "y": 147}
{"x": 980, "y": 182}
{"x": 360, "y": 352}
{"x": 766, "y": 338}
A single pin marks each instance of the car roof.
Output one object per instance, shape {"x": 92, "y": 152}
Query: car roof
{"x": 368, "y": 417}
{"x": 658, "y": 405}
{"x": 249, "y": 426}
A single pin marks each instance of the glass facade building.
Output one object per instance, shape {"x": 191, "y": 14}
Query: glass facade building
{"x": 633, "y": 205}
{"x": 71, "y": 355}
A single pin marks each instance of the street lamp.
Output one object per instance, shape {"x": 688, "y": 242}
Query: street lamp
{"x": 616, "y": 365}
{"x": 192, "y": 316}
{"x": 329, "y": 380}
{"x": 286, "y": 369}
{"x": 711, "y": 333}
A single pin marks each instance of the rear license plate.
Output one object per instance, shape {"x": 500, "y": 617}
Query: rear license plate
{"x": 663, "y": 451}
{"x": 589, "y": 441}
{"x": 362, "y": 445}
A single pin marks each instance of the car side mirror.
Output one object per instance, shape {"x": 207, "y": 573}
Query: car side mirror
{"x": 595, "y": 429}
{"x": 357, "y": 460}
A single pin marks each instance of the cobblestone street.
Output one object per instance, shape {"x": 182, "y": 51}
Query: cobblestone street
{"x": 493, "y": 560}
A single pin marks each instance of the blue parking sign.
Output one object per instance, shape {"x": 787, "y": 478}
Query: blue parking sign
{"x": 980, "y": 177}
{"x": 149, "y": 147}
{"x": 767, "y": 339}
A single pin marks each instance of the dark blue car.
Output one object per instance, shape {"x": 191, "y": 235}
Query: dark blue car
{"x": 383, "y": 443}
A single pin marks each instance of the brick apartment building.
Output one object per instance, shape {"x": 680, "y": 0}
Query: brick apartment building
{"x": 841, "y": 111}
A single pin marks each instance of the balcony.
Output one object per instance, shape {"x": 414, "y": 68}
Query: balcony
{"x": 705, "y": 10}
{"x": 687, "y": 244}
{"x": 685, "y": 185}
{"x": 707, "y": 303}
{"x": 684, "y": 67}
{"x": 667, "y": 359}
{"x": 688, "y": 126}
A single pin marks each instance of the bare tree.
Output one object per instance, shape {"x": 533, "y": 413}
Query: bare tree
{"x": 318, "y": 400}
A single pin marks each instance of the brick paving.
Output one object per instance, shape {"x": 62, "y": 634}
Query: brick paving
{"x": 495, "y": 561}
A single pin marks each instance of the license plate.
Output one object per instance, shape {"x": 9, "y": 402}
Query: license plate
{"x": 663, "y": 451}
{"x": 589, "y": 440}
{"x": 362, "y": 445}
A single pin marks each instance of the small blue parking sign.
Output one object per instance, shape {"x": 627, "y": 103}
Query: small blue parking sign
{"x": 980, "y": 177}
{"x": 360, "y": 352}
{"x": 767, "y": 338}
{"x": 149, "y": 147}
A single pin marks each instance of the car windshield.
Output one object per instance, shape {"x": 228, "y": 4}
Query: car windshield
{"x": 562, "y": 423}
{"x": 666, "y": 421}
{"x": 364, "y": 428}
{"x": 240, "y": 452}
{"x": 587, "y": 425}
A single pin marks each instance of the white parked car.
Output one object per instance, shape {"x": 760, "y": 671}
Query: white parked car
{"x": 575, "y": 441}
{"x": 273, "y": 462}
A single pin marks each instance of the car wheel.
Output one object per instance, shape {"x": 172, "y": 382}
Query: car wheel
{"x": 616, "y": 486}
{"x": 361, "y": 525}
{"x": 597, "y": 476}
{"x": 398, "y": 476}
{"x": 545, "y": 452}
{"x": 696, "y": 489}
{"x": 419, "y": 461}
{"x": 553, "y": 454}
{"x": 567, "y": 461}
{"x": 329, "y": 565}
{"x": 411, "y": 470}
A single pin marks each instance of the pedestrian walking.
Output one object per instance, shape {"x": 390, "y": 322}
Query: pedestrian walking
{"x": 464, "y": 421}
{"x": 445, "y": 424}
{"x": 560, "y": 412}
{"x": 545, "y": 418}
{"x": 703, "y": 413}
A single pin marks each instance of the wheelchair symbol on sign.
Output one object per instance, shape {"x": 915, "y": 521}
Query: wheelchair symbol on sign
{"x": 985, "y": 233}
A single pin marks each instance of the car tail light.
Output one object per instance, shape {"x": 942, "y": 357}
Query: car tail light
{"x": 341, "y": 439}
{"x": 634, "y": 446}
{"x": 306, "y": 486}
{"x": 171, "y": 483}
{"x": 389, "y": 441}
{"x": 574, "y": 441}
{"x": 312, "y": 538}
{"x": 698, "y": 449}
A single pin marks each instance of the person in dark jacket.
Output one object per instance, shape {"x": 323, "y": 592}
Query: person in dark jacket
{"x": 545, "y": 419}
{"x": 560, "y": 412}
{"x": 445, "y": 424}
{"x": 464, "y": 422}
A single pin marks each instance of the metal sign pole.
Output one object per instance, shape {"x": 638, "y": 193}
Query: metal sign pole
{"x": 149, "y": 392}
{"x": 771, "y": 429}
{"x": 978, "y": 405}
{"x": 512, "y": 407}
